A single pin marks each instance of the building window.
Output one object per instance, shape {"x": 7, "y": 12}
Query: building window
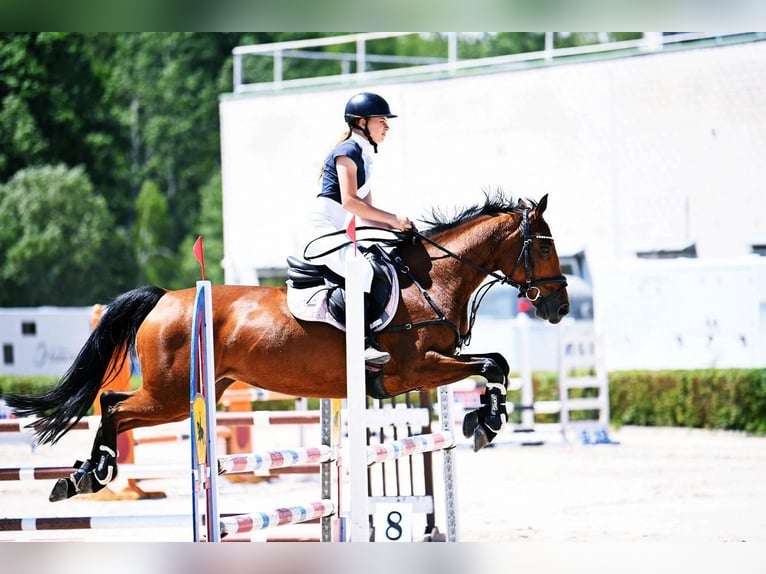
{"x": 28, "y": 328}
{"x": 7, "y": 354}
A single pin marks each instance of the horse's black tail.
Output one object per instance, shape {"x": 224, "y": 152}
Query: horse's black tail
{"x": 61, "y": 407}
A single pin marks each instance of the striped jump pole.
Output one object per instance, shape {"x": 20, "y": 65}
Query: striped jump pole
{"x": 92, "y": 522}
{"x": 243, "y": 523}
{"x": 226, "y": 464}
{"x": 56, "y": 472}
{"x": 409, "y": 446}
{"x": 255, "y": 462}
{"x": 227, "y": 525}
{"x": 22, "y": 424}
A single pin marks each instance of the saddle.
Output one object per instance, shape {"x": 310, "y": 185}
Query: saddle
{"x": 314, "y": 279}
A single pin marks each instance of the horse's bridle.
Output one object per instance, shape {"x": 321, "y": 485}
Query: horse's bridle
{"x": 529, "y": 266}
{"x": 530, "y": 282}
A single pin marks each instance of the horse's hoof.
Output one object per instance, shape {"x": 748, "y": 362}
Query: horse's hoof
{"x": 480, "y": 438}
{"x": 224, "y": 532}
{"x": 470, "y": 423}
{"x": 63, "y": 489}
{"x": 435, "y": 536}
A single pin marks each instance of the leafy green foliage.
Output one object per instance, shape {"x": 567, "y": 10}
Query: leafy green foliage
{"x": 53, "y": 230}
{"x": 26, "y": 385}
{"x": 210, "y": 227}
{"x": 709, "y": 398}
{"x": 150, "y": 236}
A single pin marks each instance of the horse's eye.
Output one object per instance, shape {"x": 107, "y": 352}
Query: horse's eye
{"x": 545, "y": 250}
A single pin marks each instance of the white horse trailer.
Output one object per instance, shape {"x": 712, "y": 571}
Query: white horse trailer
{"x": 42, "y": 340}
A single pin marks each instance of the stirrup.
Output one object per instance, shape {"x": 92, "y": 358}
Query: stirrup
{"x": 375, "y": 356}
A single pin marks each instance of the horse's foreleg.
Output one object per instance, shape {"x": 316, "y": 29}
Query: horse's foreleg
{"x": 101, "y": 468}
{"x": 489, "y": 419}
{"x": 483, "y": 424}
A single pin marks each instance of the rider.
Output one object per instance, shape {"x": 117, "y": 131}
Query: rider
{"x": 345, "y": 189}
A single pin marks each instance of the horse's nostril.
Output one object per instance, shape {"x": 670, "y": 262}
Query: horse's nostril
{"x": 563, "y": 310}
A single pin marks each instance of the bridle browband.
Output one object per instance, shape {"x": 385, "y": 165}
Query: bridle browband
{"x": 525, "y": 258}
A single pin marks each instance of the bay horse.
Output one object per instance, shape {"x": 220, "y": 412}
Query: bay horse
{"x": 258, "y": 341}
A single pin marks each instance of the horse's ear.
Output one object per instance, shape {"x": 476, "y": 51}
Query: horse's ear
{"x": 542, "y": 204}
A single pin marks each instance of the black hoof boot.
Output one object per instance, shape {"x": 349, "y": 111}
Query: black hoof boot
{"x": 492, "y": 412}
{"x": 106, "y": 469}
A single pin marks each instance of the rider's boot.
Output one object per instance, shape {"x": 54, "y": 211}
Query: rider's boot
{"x": 373, "y": 355}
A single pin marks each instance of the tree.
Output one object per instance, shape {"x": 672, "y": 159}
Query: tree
{"x": 54, "y": 231}
{"x": 54, "y": 110}
{"x": 210, "y": 227}
{"x": 150, "y": 234}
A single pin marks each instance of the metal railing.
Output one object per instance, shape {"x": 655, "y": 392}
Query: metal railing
{"x": 409, "y": 67}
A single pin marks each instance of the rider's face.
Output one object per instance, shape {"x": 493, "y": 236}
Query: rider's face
{"x": 378, "y": 127}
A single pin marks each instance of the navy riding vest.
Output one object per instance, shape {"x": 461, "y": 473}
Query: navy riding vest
{"x": 330, "y": 184}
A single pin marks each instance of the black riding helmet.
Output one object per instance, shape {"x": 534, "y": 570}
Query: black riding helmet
{"x": 367, "y": 105}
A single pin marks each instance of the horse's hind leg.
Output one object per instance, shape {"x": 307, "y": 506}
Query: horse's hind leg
{"x": 101, "y": 468}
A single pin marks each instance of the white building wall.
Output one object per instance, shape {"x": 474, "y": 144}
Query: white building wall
{"x": 663, "y": 148}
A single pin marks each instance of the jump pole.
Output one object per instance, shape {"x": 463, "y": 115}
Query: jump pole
{"x": 358, "y": 528}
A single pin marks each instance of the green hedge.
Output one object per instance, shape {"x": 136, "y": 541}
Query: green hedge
{"x": 710, "y": 398}
{"x": 25, "y": 385}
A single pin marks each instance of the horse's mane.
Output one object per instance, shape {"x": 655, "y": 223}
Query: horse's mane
{"x": 495, "y": 202}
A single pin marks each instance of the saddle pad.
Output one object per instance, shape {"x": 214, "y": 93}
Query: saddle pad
{"x": 310, "y": 304}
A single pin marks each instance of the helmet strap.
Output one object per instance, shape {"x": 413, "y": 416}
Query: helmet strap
{"x": 369, "y": 139}
{"x": 366, "y": 134}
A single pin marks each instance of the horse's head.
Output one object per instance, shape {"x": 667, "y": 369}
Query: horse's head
{"x": 501, "y": 235}
{"x": 536, "y": 270}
